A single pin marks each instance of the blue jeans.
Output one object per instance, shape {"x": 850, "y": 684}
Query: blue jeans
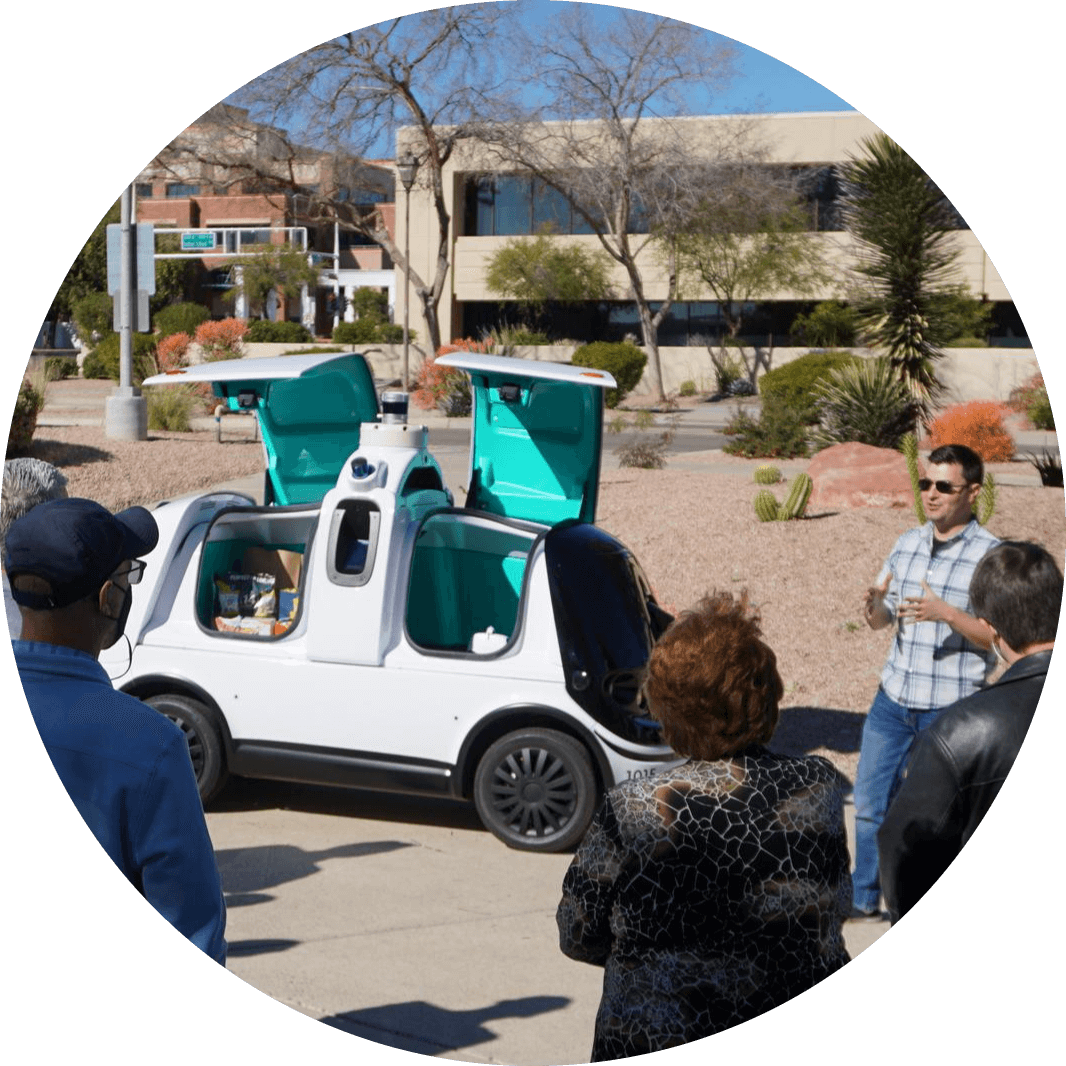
{"x": 887, "y": 736}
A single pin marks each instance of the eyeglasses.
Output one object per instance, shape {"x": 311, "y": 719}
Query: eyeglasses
{"x": 945, "y": 488}
{"x": 133, "y": 575}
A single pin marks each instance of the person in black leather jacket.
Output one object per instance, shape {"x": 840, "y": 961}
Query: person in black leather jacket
{"x": 959, "y": 763}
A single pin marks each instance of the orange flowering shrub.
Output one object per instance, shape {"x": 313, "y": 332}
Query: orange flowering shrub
{"x": 977, "y": 424}
{"x": 221, "y": 340}
{"x": 172, "y": 352}
{"x": 444, "y": 386}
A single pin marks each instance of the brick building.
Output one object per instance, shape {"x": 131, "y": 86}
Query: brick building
{"x": 215, "y": 177}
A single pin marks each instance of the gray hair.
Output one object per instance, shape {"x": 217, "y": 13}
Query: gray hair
{"x": 27, "y": 482}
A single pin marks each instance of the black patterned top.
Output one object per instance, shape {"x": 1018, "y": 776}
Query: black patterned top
{"x": 709, "y": 893}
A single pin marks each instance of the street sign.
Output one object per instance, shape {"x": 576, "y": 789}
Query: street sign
{"x": 140, "y": 321}
{"x": 192, "y": 242}
{"x": 144, "y": 267}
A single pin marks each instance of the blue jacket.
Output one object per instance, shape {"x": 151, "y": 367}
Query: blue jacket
{"x": 127, "y": 769}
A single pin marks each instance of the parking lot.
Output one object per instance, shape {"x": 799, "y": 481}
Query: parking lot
{"x": 404, "y": 922}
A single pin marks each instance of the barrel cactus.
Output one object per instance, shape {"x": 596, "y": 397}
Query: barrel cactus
{"x": 766, "y": 474}
{"x": 766, "y": 506}
{"x": 798, "y": 497}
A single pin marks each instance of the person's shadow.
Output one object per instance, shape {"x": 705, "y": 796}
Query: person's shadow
{"x": 428, "y": 1030}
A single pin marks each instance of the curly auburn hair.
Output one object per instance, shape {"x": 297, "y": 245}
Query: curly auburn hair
{"x": 711, "y": 681}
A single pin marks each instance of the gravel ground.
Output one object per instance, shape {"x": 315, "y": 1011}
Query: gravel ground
{"x": 693, "y": 530}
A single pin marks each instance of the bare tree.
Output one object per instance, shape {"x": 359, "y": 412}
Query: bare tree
{"x": 346, "y": 99}
{"x": 599, "y": 139}
{"x": 749, "y": 236}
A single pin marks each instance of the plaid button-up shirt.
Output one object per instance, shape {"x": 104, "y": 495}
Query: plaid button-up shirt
{"x": 930, "y": 665}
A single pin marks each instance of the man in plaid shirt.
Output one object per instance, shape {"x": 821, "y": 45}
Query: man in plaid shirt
{"x": 940, "y": 653}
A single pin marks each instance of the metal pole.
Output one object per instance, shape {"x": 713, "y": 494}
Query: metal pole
{"x": 336, "y": 274}
{"x": 126, "y": 410}
{"x": 406, "y": 283}
{"x": 128, "y": 290}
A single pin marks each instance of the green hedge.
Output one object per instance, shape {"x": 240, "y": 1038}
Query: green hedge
{"x": 793, "y": 384}
{"x": 625, "y": 362}
{"x": 262, "y": 331}
{"x": 179, "y": 318}
{"x": 102, "y": 361}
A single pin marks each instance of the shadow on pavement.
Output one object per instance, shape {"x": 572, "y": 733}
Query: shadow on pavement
{"x": 247, "y": 871}
{"x": 423, "y": 1028}
{"x": 240, "y": 949}
{"x": 802, "y": 729}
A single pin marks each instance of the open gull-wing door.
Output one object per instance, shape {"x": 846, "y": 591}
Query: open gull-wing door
{"x": 310, "y": 408}
{"x": 537, "y": 437}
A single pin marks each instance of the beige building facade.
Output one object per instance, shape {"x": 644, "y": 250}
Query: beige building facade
{"x": 813, "y": 142}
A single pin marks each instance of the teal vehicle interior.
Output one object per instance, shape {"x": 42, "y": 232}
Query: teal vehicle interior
{"x": 536, "y": 447}
{"x": 466, "y": 576}
{"x": 310, "y": 424}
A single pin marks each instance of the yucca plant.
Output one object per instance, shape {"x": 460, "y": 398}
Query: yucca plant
{"x": 865, "y": 401}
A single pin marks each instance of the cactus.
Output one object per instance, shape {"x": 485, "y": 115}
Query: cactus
{"x": 766, "y": 506}
{"x": 766, "y": 474}
{"x": 985, "y": 505}
{"x": 909, "y": 446}
{"x": 796, "y": 501}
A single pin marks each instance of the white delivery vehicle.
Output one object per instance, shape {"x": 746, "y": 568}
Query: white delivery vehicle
{"x": 360, "y": 630}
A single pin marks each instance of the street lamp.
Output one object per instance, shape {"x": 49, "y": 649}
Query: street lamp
{"x": 406, "y": 169}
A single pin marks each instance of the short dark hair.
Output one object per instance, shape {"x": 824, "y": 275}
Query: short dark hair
{"x": 973, "y": 470}
{"x": 711, "y": 681}
{"x": 1017, "y": 587}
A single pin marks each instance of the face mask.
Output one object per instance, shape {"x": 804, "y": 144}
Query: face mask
{"x": 119, "y": 620}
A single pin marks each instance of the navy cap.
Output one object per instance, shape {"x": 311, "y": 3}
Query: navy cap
{"x": 75, "y": 545}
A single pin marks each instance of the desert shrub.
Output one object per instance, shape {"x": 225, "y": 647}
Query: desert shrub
{"x": 1049, "y": 467}
{"x": 92, "y": 316}
{"x": 866, "y": 402}
{"x": 170, "y": 407}
{"x": 28, "y": 405}
{"x": 1031, "y": 400}
{"x": 221, "y": 340}
{"x": 779, "y": 432}
{"x": 173, "y": 351}
{"x": 793, "y": 384}
{"x": 687, "y": 388}
{"x": 977, "y": 424}
{"x": 647, "y": 451}
{"x": 728, "y": 370}
{"x": 390, "y": 334}
{"x": 966, "y": 342}
{"x": 625, "y": 362}
{"x": 58, "y": 367}
{"x": 262, "y": 331}
{"x": 103, "y": 360}
{"x": 445, "y": 387}
{"x": 180, "y": 318}
{"x": 323, "y": 349}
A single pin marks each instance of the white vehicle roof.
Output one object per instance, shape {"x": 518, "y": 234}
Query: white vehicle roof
{"x": 267, "y": 368}
{"x": 529, "y": 368}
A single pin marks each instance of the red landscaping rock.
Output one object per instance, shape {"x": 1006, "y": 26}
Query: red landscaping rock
{"x": 859, "y": 475}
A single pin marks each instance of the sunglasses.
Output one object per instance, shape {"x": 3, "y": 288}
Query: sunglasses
{"x": 133, "y": 575}
{"x": 945, "y": 488}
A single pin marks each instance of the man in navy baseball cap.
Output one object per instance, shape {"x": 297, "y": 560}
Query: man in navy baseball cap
{"x": 126, "y": 767}
{"x": 68, "y": 550}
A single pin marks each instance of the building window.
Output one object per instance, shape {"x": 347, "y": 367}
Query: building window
{"x": 143, "y": 190}
{"x": 179, "y": 190}
{"x": 227, "y": 240}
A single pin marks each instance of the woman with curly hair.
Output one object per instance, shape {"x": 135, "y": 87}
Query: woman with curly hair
{"x": 717, "y": 890}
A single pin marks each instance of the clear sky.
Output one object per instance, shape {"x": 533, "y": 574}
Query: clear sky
{"x": 764, "y": 84}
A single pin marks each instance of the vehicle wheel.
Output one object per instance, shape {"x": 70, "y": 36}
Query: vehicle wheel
{"x": 205, "y": 742}
{"x": 535, "y": 789}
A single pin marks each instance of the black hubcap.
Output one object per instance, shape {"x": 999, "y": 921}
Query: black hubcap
{"x": 196, "y": 747}
{"x": 533, "y": 792}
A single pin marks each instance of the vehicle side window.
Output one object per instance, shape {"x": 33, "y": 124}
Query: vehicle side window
{"x": 353, "y": 538}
